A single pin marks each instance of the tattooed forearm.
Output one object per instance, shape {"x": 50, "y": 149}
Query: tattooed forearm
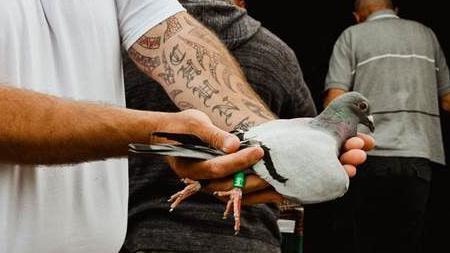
{"x": 183, "y": 105}
{"x": 203, "y": 54}
{"x": 168, "y": 74}
{"x": 189, "y": 72}
{"x": 147, "y": 63}
{"x": 173, "y": 27}
{"x": 244, "y": 124}
{"x": 200, "y": 51}
{"x": 177, "y": 56}
{"x": 226, "y": 109}
{"x": 197, "y": 71}
{"x": 205, "y": 92}
{"x": 150, "y": 42}
{"x": 226, "y": 77}
{"x": 174, "y": 93}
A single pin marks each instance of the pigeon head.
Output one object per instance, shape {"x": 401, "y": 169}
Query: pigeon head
{"x": 343, "y": 115}
{"x": 354, "y": 103}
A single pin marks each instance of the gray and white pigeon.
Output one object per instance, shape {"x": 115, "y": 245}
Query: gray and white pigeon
{"x": 301, "y": 154}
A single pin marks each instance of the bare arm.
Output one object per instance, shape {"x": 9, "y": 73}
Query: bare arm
{"x": 331, "y": 95}
{"x": 197, "y": 72}
{"x": 41, "y": 129}
{"x": 445, "y": 102}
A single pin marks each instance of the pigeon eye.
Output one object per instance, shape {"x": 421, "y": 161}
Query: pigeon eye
{"x": 363, "y": 106}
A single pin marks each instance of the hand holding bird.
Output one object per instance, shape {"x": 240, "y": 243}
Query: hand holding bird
{"x": 300, "y": 155}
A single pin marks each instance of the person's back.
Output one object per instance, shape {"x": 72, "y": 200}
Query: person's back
{"x": 395, "y": 65}
{"x": 399, "y": 66}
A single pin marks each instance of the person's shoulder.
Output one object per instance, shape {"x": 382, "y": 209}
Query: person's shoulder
{"x": 413, "y": 22}
{"x": 418, "y": 26}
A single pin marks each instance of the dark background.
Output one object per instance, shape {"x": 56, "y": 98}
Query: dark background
{"x": 310, "y": 28}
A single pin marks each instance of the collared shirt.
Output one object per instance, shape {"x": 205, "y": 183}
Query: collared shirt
{"x": 399, "y": 66}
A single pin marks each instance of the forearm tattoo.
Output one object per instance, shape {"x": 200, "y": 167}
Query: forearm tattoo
{"x": 147, "y": 63}
{"x": 150, "y": 42}
{"x": 205, "y": 92}
{"x": 181, "y": 51}
{"x": 177, "y": 56}
{"x": 174, "y": 93}
{"x": 173, "y": 27}
{"x": 245, "y": 124}
{"x": 226, "y": 109}
{"x": 168, "y": 74}
{"x": 189, "y": 72}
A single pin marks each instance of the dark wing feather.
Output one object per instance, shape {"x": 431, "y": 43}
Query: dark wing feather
{"x": 177, "y": 150}
{"x": 181, "y": 138}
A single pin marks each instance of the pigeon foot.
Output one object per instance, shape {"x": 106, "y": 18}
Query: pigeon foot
{"x": 233, "y": 205}
{"x": 191, "y": 188}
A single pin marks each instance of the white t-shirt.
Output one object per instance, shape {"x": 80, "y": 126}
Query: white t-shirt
{"x": 71, "y": 49}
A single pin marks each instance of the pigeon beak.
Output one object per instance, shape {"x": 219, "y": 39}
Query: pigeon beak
{"x": 370, "y": 123}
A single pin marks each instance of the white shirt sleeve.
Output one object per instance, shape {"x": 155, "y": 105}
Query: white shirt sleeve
{"x": 136, "y": 17}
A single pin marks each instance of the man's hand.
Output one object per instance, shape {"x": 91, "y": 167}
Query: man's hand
{"x": 258, "y": 191}
{"x": 197, "y": 123}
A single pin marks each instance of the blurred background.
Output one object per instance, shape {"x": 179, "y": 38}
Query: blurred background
{"x": 310, "y": 28}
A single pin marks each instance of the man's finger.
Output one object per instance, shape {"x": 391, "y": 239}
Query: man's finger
{"x": 369, "y": 141}
{"x": 354, "y": 157}
{"x": 220, "y": 139}
{"x": 353, "y": 143}
{"x": 200, "y": 124}
{"x": 218, "y": 167}
{"x": 228, "y": 164}
{"x": 350, "y": 169}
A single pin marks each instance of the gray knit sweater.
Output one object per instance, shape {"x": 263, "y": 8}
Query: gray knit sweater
{"x": 196, "y": 226}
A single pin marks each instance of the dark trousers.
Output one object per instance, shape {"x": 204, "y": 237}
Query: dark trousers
{"x": 389, "y": 198}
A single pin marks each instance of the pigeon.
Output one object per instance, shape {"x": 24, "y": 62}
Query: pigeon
{"x": 301, "y": 155}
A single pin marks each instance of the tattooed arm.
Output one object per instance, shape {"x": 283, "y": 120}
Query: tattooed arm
{"x": 197, "y": 71}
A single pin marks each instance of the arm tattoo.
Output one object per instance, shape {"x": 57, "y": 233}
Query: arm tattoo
{"x": 189, "y": 72}
{"x": 206, "y": 36}
{"x": 188, "y": 21}
{"x": 205, "y": 92}
{"x": 168, "y": 75}
{"x": 173, "y": 27}
{"x": 256, "y": 109}
{"x": 149, "y": 42}
{"x": 226, "y": 110}
{"x": 200, "y": 53}
{"x": 245, "y": 124}
{"x": 226, "y": 77}
{"x": 173, "y": 94}
{"x": 176, "y": 56}
{"x": 183, "y": 105}
{"x": 145, "y": 62}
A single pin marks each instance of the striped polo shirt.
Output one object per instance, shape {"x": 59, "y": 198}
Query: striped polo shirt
{"x": 399, "y": 66}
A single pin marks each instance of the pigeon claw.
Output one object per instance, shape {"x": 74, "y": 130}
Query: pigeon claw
{"x": 233, "y": 205}
{"x": 191, "y": 188}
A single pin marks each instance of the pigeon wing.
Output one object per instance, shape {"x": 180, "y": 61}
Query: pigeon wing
{"x": 176, "y": 150}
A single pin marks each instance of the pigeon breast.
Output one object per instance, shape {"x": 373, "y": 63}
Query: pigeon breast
{"x": 307, "y": 156}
